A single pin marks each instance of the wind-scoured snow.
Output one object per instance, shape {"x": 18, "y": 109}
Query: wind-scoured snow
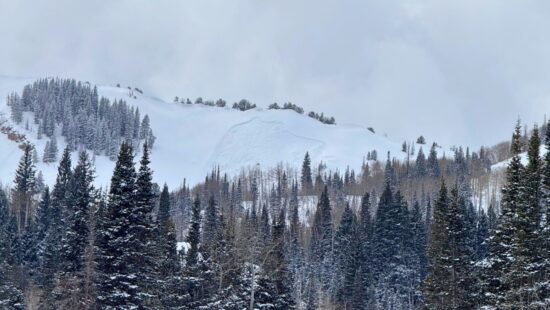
{"x": 192, "y": 139}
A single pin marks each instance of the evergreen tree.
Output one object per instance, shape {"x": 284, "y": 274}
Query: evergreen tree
{"x": 545, "y": 252}
{"x": 279, "y": 266}
{"x": 11, "y": 295}
{"x": 171, "y": 286}
{"x": 25, "y": 178}
{"x": 123, "y": 238}
{"x": 446, "y": 285}
{"x": 195, "y": 268}
{"x": 51, "y": 248}
{"x": 433, "y": 168}
{"x": 76, "y": 237}
{"x": 419, "y": 243}
{"x": 525, "y": 267}
{"x": 363, "y": 276}
{"x": 345, "y": 260}
{"x": 35, "y": 235}
{"x": 306, "y": 179}
{"x": 501, "y": 243}
{"x": 75, "y": 244}
{"x": 421, "y": 169}
{"x": 321, "y": 242}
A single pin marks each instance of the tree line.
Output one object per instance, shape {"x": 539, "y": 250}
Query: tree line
{"x": 75, "y": 111}
{"x": 249, "y": 245}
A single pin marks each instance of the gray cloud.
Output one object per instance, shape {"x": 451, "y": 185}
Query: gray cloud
{"x": 456, "y": 71}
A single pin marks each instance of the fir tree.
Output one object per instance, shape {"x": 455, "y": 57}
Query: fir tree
{"x": 25, "y": 178}
{"x": 321, "y": 242}
{"x": 346, "y": 252}
{"x": 11, "y": 295}
{"x": 195, "y": 268}
{"x": 51, "y": 248}
{"x": 525, "y": 267}
{"x": 77, "y": 233}
{"x": 122, "y": 238}
{"x": 433, "y": 168}
{"x": 76, "y": 238}
{"x": 306, "y": 178}
{"x": 171, "y": 286}
{"x": 501, "y": 244}
{"x": 421, "y": 169}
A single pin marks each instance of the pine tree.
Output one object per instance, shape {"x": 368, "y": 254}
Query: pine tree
{"x": 321, "y": 242}
{"x": 52, "y": 154}
{"x": 279, "y": 266}
{"x": 545, "y": 252}
{"x": 433, "y": 168}
{"x": 25, "y": 178}
{"x": 306, "y": 179}
{"x": 419, "y": 237}
{"x": 11, "y": 295}
{"x": 501, "y": 243}
{"x": 346, "y": 254}
{"x": 421, "y": 169}
{"x": 295, "y": 249}
{"x": 169, "y": 270}
{"x": 51, "y": 248}
{"x": 143, "y": 230}
{"x": 363, "y": 276}
{"x": 525, "y": 267}
{"x": 195, "y": 269}
{"x": 35, "y": 235}
{"x": 163, "y": 215}
{"x": 46, "y": 155}
{"x": 436, "y": 283}
{"x": 122, "y": 238}
{"x": 76, "y": 237}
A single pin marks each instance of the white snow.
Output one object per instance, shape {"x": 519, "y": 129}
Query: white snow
{"x": 192, "y": 139}
{"x": 523, "y": 157}
{"x": 183, "y": 246}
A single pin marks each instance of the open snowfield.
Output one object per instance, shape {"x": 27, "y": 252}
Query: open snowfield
{"x": 192, "y": 139}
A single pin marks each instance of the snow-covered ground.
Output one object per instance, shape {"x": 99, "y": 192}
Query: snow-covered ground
{"x": 192, "y": 139}
{"x": 523, "y": 156}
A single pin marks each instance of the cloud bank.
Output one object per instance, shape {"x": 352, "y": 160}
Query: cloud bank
{"x": 458, "y": 72}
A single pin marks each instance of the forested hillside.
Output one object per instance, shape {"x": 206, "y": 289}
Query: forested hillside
{"x": 399, "y": 235}
{"x": 83, "y": 118}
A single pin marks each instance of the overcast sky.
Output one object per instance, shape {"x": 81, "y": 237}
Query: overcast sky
{"x": 459, "y": 72}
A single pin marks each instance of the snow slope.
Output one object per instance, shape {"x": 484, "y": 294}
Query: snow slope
{"x": 192, "y": 139}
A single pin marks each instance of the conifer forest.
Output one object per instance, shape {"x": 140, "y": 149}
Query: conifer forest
{"x": 391, "y": 236}
{"x": 274, "y": 155}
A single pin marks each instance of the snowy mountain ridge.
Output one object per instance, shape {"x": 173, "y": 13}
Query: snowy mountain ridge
{"x": 192, "y": 139}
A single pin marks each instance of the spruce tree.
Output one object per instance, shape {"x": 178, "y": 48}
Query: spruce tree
{"x": 122, "y": 238}
{"x": 306, "y": 178}
{"x": 545, "y": 252}
{"x": 502, "y": 244}
{"x": 169, "y": 271}
{"x": 51, "y": 248}
{"x": 433, "y": 168}
{"x": 435, "y": 285}
{"x": 421, "y": 169}
{"x": 525, "y": 267}
{"x": 321, "y": 250}
{"x": 196, "y": 271}
{"x": 25, "y": 178}
{"x": 11, "y": 295}
{"x": 76, "y": 237}
{"x": 345, "y": 261}
{"x": 279, "y": 266}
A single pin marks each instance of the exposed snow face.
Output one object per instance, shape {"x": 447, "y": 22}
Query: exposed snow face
{"x": 192, "y": 139}
{"x": 523, "y": 157}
